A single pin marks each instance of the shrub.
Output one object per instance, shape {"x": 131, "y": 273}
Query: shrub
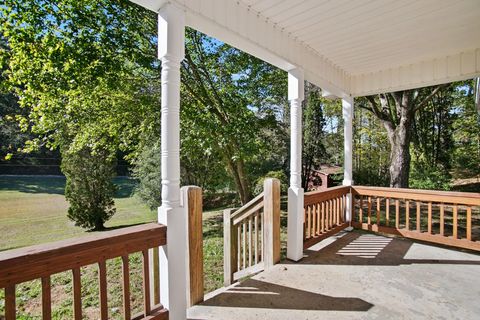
{"x": 280, "y": 175}
{"x": 89, "y": 188}
{"x": 147, "y": 172}
{"x": 423, "y": 176}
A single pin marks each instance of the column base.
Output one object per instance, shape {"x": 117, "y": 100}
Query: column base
{"x": 173, "y": 262}
{"x": 295, "y": 224}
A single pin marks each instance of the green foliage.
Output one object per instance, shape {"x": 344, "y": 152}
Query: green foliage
{"x": 424, "y": 176}
{"x": 314, "y": 151}
{"x": 280, "y": 175}
{"x": 89, "y": 188}
{"x": 228, "y": 98}
{"x": 466, "y": 132}
{"x": 147, "y": 171}
{"x": 370, "y": 149}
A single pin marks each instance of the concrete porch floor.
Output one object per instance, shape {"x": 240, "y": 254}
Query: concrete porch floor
{"x": 355, "y": 275}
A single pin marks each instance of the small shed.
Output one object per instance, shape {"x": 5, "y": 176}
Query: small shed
{"x": 323, "y": 178}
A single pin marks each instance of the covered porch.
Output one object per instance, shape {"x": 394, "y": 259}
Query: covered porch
{"x": 349, "y": 49}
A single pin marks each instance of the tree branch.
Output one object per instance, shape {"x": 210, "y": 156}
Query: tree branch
{"x": 429, "y": 97}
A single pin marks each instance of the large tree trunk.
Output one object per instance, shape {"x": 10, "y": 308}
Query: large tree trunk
{"x": 399, "y": 154}
{"x": 237, "y": 169}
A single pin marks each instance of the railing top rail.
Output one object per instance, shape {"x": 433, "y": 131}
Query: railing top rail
{"x": 466, "y": 198}
{"x": 322, "y": 195}
{"x": 24, "y": 264}
{"x": 252, "y": 203}
{"x": 329, "y": 190}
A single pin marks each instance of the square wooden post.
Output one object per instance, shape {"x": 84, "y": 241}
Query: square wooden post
{"x": 229, "y": 248}
{"x": 271, "y": 222}
{"x": 195, "y": 275}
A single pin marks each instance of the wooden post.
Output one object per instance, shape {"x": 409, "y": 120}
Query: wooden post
{"x": 271, "y": 216}
{"x": 195, "y": 245}
{"x": 230, "y": 249}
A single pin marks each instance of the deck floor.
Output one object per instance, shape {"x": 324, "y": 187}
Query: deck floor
{"x": 355, "y": 275}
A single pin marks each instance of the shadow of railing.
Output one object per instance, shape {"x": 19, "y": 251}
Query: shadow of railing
{"x": 253, "y": 293}
{"x": 353, "y": 248}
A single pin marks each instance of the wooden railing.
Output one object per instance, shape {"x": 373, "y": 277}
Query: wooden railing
{"x": 324, "y": 214}
{"x": 252, "y": 234}
{"x": 449, "y": 218}
{"x": 42, "y": 261}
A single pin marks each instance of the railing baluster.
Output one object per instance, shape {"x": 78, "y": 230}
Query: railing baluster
{"x": 126, "y": 288}
{"x": 46, "y": 299}
{"x": 369, "y": 211}
{"x": 155, "y": 276}
{"x": 250, "y": 242}
{"x": 387, "y": 212}
{"x": 238, "y": 228}
{"x": 244, "y": 242}
{"x": 323, "y": 217}
{"x": 314, "y": 221}
{"x": 378, "y": 211}
{"x": 442, "y": 219}
{"x": 407, "y": 214}
{"x": 146, "y": 284}
{"x": 309, "y": 222}
{"x": 77, "y": 294}
{"x": 397, "y": 213}
{"x": 469, "y": 223}
{"x": 418, "y": 217}
{"x": 430, "y": 217}
{"x": 262, "y": 253}
{"x": 102, "y": 279}
{"x": 361, "y": 210}
{"x": 10, "y": 307}
{"x": 256, "y": 236}
{"x": 338, "y": 210}
{"x": 319, "y": 218}
{"x": 332, "y": 209}
{"x": 455, "y": 221}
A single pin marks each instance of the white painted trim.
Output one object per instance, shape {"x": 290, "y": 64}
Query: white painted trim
{"x": 462, "y": 66}
{"x": 233, "y": 23}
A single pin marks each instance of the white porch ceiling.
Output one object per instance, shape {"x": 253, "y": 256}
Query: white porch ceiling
{"x": 349, "y": 47}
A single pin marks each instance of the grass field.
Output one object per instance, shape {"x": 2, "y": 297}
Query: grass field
{"x": 33, "y": 210}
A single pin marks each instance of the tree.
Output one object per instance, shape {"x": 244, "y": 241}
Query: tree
{"x": 396, "y": 111}
{"x": 225, "y": 93}
{"x": 89, "y": 187}
{"x": 314, "y": 151}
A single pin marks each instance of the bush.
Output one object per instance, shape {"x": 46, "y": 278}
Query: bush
{"x": 280, "y": 175}
{"x": 89, "y": 188}
{"x": 147, "y": 172}
{"x": 431, "y": 178}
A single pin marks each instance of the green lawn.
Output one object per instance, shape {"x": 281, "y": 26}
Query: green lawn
{"x": 33, "y": 210}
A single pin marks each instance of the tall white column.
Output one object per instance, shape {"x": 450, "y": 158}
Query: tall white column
{"x": 173, "y": 256}
{"x": 295, "y": 192}
{"x": 347, "y": 106}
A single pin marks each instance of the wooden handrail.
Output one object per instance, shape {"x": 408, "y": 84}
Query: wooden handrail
{"x": 25, "y": 264}
{"x": 466, "y": 198}
{"x": 417, "y": 213}
{"x": 322, "y": 195}
{"x": 252, "y": 234}
{"x": 42, "y": 261}
{"x": 252, "y": 203}
{"x": 324, "y": 212}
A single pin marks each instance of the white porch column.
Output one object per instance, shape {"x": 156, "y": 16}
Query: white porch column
{"x": 347, "y": 106}
{"x": 173, "y": 256}
{"x": 295, "y": 192}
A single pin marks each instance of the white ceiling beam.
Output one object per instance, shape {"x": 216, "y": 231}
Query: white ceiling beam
{"x": 233, "y": 23}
